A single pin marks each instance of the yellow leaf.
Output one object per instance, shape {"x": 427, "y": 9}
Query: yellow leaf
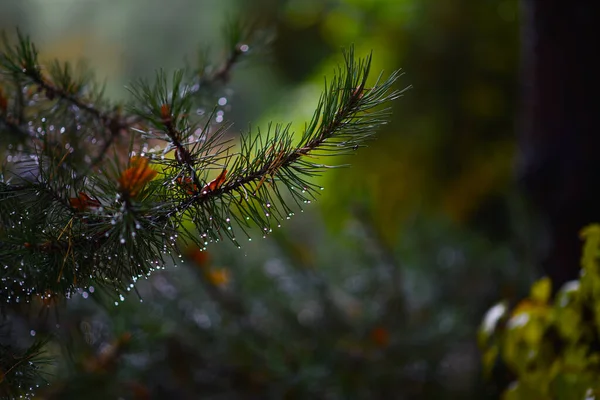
{"x": 591, "y": 249}
{"x": 541, "y": 290}
{"x": 532, "y": 334}
{"x": 526, "y": 307}
{"x": 489, "y": 359}
{"x": 568, "y": 323}
{"x": 592, "y": 230}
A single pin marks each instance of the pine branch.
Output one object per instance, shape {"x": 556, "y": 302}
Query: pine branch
{"x": 20, "y": 63}
{"x": 22, "y": 60}
{"x": 242, "y": 40}
{"x": 343, "y": 120}
{"x": 66, "y": 229}
{"x": 12, "y": 122}
{"x": 21, "y": 369}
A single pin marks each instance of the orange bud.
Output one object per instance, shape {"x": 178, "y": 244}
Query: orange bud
{"x": 134, "y": 178}
{"x": 83, "y": 202}
{"x": 187, "y": 184}
{"x": 215, "y": 183}
{"x": 199, "y": 257}
{"x": 218, "y": 276}
{"x": 380, "y": 336}
{"x": 165, "y": 112}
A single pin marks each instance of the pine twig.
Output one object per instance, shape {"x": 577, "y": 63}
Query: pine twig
{"x": 123, "y": 223}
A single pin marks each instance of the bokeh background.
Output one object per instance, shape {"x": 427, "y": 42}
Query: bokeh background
{"x": 377, "y": 289}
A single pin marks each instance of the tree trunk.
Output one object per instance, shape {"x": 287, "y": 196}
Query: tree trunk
{"x": 560, "y": 137}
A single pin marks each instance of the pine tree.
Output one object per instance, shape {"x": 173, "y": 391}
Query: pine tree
{"x": 96, "y": 195}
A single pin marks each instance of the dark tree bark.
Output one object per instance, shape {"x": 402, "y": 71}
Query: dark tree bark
{"x": 560, "y": 134}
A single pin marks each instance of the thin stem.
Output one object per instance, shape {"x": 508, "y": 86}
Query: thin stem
{"x": 223, "y": 74}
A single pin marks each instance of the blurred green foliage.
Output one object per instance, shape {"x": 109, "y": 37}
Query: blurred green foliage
{"x": 295, "y": 320}
{"x": 550, "y": 344}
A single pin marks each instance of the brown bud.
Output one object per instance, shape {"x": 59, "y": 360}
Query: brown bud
{"x": 165, "y": 113}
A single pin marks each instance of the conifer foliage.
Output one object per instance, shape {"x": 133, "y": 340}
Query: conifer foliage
{"x": 76, "y": 212}
{"x": 98, "y": 193}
